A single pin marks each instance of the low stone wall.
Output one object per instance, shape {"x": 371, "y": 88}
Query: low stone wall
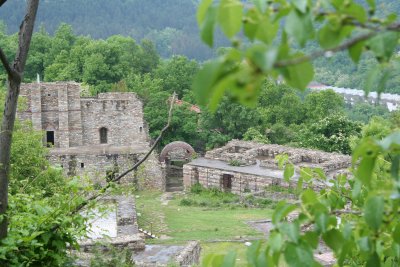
{"x": 128, "y": 235}
{"x": 190, "y": 255}
{"x": 241, "y": 183}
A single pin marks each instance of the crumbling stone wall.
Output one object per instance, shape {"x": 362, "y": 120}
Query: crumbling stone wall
{"x": 76, "y": 123}
{"x": 241, "y": 183}
{"x": 259, "y": 166}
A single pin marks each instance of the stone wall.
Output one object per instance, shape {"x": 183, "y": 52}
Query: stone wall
{"x": 241, "y": 183}
{"x": 128, "y": 235}
{"x": 190, "y": 255}
{"x": 120, "y": 113}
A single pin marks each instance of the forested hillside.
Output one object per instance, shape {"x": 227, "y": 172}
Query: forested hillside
{"x": 171, "y": 24}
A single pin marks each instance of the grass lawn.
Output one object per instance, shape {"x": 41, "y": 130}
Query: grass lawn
{"x": 182, "y": 223}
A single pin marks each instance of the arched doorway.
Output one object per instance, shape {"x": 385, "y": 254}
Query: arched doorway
{"x": 173, "y": 157}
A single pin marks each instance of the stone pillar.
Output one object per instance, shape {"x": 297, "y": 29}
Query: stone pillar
{"x": 63, "y": 126}
{"x": 187, "y": 177}
{"x": 36, "y": 107}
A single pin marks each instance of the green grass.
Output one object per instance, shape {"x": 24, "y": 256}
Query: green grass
{"x": 182, "y": 223}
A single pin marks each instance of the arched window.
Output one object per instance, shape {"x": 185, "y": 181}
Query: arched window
{"x": 103, "y": 135}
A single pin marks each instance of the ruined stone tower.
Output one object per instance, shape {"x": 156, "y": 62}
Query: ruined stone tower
{"x": 97, "y": 136}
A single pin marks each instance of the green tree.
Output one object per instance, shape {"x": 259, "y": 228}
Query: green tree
{"x": 367, "y": 233}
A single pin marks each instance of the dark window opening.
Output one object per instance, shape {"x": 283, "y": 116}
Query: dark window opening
{"x": 103, "y": 135}
{"x": 82, "y": 165}
{"x": 50, "y": 138}
{"x": 140, "y": 129}
{"x": 227, "y": 182}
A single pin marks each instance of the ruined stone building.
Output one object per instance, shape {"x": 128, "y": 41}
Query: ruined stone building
{"x": 242, "y": 166}
{"x": 97, "y": 136}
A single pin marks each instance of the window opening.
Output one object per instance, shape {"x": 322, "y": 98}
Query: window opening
{"x": 82, "y": 165}
{"x": 50, "y": 138}
{"x": 140, "y": 129}
{"x": 103, "y": 135}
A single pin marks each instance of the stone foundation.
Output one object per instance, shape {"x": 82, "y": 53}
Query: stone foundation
{"x": 128, "y": 235}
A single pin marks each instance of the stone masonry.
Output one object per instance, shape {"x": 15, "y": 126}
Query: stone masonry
{"x": 258, "y": 167}
{"x": 97, "y": 136}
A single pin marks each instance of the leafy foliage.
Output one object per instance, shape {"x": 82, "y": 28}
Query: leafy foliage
{"x": 355, "y": 215}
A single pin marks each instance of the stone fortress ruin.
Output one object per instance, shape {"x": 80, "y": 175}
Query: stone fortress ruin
{"x": 101, "y": 137}
{"x": 243, "y": 166}
{"x": 96, "y": 136}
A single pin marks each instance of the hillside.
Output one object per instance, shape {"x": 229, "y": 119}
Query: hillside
{"x": 170, "y": 24}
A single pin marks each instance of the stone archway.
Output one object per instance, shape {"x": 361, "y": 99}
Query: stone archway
{"x": 172, "y": 158}
{"x": 177, "y": 150}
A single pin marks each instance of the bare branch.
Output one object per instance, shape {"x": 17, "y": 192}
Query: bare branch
{"x": 347, "y": 44}
{"x": 25, "y": 36}
{"x": 5, "y": 63}
{"x": 2, "y": 2}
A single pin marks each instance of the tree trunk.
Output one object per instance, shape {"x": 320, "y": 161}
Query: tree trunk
{"x": 15, "y": 73}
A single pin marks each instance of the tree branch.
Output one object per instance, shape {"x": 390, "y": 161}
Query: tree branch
{"x": 11, "y": 73}
{"x": 347, "y": 44}
{"x": 5, "y": 62}
{"x": 2, "y": 2}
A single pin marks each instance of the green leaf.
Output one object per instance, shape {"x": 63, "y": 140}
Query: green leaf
{"x": 253, "y": 252}
{"x": 300, "y": 75}
{"x": 229, "y": 259}
{"x": 202, "y": 11}
{"x": 230, "y": 17}
{"x": 396, "y": 234}
{"x": 205, "y": 79}
{"x": 298, "y": 255}
{"x": 395, "y": 167}
{"x": 266, "y": 30}
{"x": 329, "y": 36}
{"x": 208, "y": 26}
{"x": 383, "y": 45}
{"x": 373, "y": 211}
{"x": 321, "y": 220}
{"x": 292, "y": 230}
{"x": 372, "y": 77}
{"x": 260, "y": 4}
{"x": 299, "y": 26}
{"x": 309, "y": 197}
{"x": 357, "y": 11}
{"x": 306, "y": 173}
{"x": 301, "y": 5}
{"x": 367, "y": 151}
{"x": 391, "y": 141}
{"x": 374, "y": 261}
{"x": 355, "y": 51}
{"x": 334, "y": 239}
{"x": 312, "y": 239}
{"x": 275, "y": 241}
{"x": 281, "y": 211}
{"x": 372, "y": 4}
{"x": 288, "y": 172}
{"x": 262, "y": 56}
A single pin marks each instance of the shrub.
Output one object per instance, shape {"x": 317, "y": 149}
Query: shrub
{"x": 197, "y": 188}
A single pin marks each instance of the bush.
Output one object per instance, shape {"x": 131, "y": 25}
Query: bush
{"x": 186, "y": 202}
{"x": 197, "y": 188}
